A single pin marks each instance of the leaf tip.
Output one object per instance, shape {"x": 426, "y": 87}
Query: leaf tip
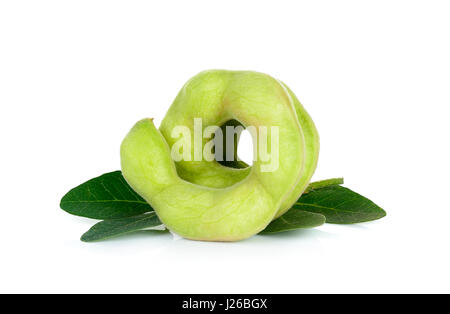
{"x": 383, "y": 213}
{"x": 85, "y": 238}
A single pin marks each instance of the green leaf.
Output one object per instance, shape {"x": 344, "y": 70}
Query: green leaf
{"x": 235, "y": 163}
{"x": 294, "y": 219}
{"x": 110, "y": 198}
{"x": 339, "y": 205}
{"x": 106, "y": 197}
{"x": 116, "y": 227}
{"x": 323, "y": 183}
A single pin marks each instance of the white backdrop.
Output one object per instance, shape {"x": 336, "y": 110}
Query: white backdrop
{"x": 374, "y": 75}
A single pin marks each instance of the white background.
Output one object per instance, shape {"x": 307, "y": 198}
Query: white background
{"x": 374, "y": 75}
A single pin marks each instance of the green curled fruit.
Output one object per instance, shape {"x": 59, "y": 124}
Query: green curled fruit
{"x": 204, "y": 200}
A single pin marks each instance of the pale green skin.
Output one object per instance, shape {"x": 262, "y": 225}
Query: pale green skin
{"x": 204, "y": 200}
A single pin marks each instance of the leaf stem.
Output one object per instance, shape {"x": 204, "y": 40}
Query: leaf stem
{"x": 323, "y": 183}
